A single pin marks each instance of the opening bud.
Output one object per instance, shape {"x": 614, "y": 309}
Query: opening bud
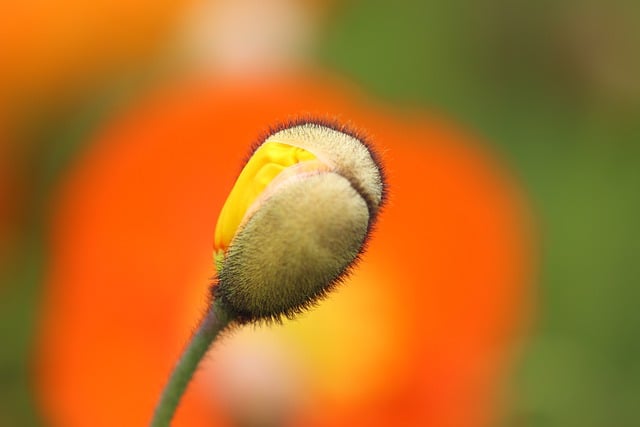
{"x": 296, "y": 219}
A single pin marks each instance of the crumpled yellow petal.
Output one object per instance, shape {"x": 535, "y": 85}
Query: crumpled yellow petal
{"x": 263, "y": 167}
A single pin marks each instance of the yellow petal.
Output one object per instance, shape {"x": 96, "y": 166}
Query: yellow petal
{"x": 268, "y": 161}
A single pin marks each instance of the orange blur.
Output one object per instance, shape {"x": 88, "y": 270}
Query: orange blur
{"x": 130, "y": 259}
{"x": 54, "y": 50}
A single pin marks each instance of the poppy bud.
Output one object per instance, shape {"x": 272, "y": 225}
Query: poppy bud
{"x": 296, "y": 219}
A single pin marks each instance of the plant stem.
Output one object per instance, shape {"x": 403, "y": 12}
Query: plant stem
{"x": 210, "y": 326}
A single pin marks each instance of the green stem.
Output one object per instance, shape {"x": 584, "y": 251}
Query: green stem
{"x": 211, "y": 325}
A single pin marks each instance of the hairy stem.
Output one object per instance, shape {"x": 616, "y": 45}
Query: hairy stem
{"x": 210, "y": 327}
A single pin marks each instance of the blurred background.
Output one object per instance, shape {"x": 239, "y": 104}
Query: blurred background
{"x": 553, "y": 87}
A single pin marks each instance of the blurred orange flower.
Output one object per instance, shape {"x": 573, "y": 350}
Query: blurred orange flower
{"x": 422, "y": 334}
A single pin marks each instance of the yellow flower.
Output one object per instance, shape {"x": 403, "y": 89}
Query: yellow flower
{"x": 296, "y": 219}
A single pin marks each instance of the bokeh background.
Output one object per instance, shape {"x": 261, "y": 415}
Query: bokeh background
{"x": 552, "y": 87}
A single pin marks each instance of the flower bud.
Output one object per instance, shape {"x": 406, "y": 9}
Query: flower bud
{"x": 296, "y": 220}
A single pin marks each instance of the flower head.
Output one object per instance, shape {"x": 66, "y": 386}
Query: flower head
{"x": 438, "y": 317}
{"x": 296, "y": 219}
